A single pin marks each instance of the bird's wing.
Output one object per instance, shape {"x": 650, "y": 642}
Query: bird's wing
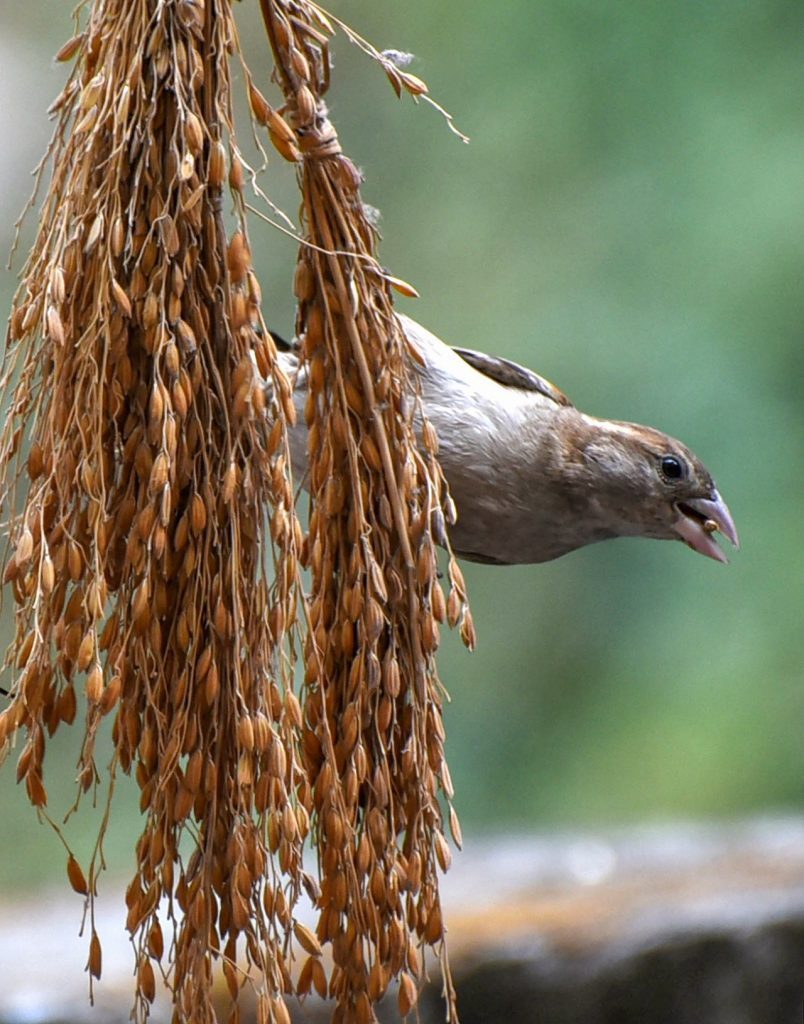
{"x": 512, "y": 375}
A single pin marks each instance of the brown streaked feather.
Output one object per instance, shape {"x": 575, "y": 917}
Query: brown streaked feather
{"x": 512, "y": 375}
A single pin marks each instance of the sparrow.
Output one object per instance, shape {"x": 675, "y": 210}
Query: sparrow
{"x": 531, "y": 476}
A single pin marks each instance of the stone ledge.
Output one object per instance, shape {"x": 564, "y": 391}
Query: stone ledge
{"x": 674, "y": 924}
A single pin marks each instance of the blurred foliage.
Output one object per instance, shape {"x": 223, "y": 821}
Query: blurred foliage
{"x": 627, "y": 220}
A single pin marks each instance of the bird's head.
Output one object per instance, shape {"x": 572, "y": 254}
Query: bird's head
{"x": 651, "y": 485}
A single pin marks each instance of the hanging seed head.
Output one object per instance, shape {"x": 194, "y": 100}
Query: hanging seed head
{"x": 140, "y": 546}
{"x": 143, "y": 375}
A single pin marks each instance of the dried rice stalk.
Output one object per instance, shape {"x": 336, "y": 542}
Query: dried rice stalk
{"x": 373, "y": 733}
{"x": 138, "y": 564}
{"x": 135, "y": 363}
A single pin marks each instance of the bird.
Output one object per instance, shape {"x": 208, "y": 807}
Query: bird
{"x": 531, "y": 476}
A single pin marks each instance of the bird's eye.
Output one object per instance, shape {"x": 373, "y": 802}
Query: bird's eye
{"x": 672, "y": 468}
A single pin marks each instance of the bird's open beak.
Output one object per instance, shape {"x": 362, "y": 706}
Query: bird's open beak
{"x": 699, "y": 518}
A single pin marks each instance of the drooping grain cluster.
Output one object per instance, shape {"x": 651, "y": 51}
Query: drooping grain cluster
{"x": 138, "y": 564}
{"x": 373, "y": 733}
{"x": 142, "y": 457}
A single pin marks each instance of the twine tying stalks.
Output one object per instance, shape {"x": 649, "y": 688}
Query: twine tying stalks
{"x": 136, "y": 360}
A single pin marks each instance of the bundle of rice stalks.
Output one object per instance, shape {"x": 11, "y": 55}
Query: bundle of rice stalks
{"x": 137, "y": 562}
{"x": 136, "y": 363}
{"x": 373, "y": 733}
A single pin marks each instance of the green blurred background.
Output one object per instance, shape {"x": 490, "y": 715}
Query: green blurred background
{"x": 628, "y": 220}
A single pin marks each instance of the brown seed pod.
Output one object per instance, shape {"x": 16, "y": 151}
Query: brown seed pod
{"x": 110, "y": 695}
{"x": 120, "y": 297}
{"x": 94, "y": 688}
{"x": 86, "y": 650}
{"x": 236, "y": 177}
{"x": 25, "y": 547}
{"x": 94, "y": 962}
{"x": 139, "y": 605}
{"x": 69, "y": 49}
{"x": 216, "y": 171}
{"x": 305, "y": 106}
{"x": 48, "y": 576}
{"x": 198, "y": 514}
{"x": 156, "y": 942}
{"x": 402, "y": 287}
{"x": 288, "y": 150}
{"x": 146, "y": 981}
{"x": 58, "y": 287}
{"x": 238, "y": 257}
{"x": 76, "y": 876}
{"x": 159, "y": 473}
{"x": 194, "y": 133}
{"x": 307, "y": 939}
{"x": 415, "y": 86}
{"x": 186, "y": 171}
{"x": 407, "y": 994}
{"x": 260, "y": 107}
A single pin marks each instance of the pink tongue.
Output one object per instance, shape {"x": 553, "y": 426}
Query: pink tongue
{"x": 693, "y": 534}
